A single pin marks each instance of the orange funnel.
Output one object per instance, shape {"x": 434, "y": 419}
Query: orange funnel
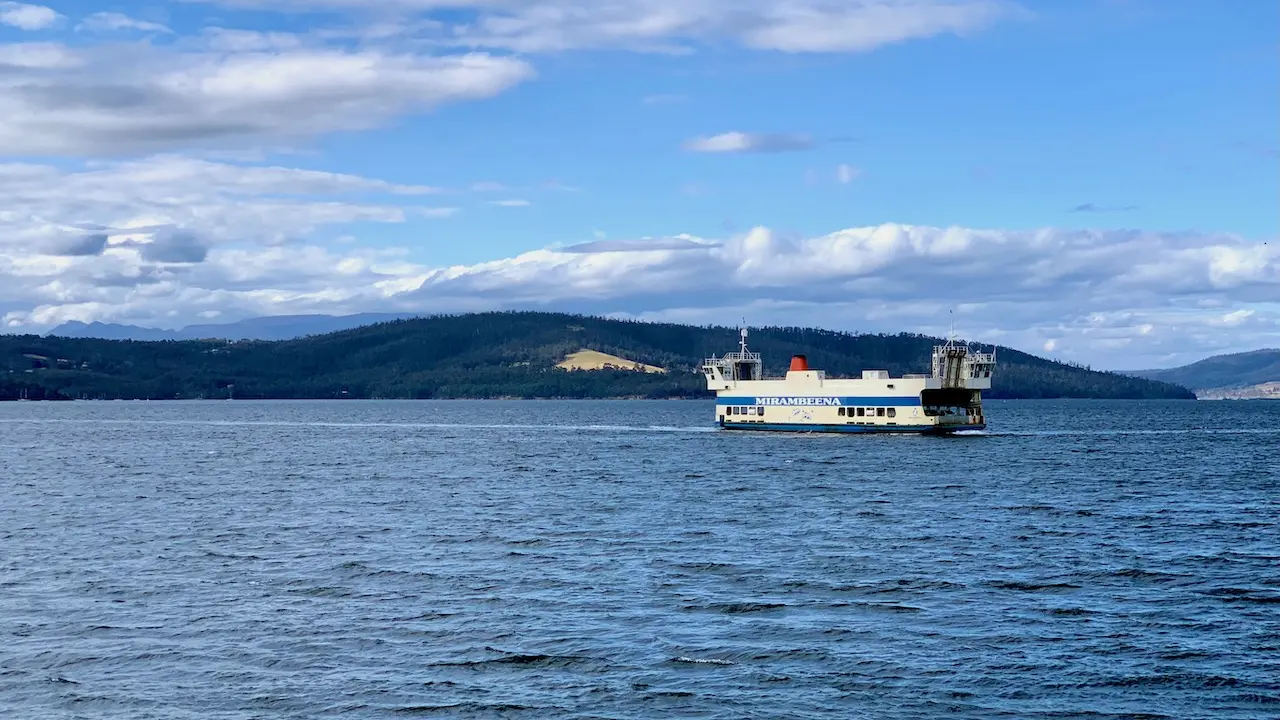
{"x": 799, "y": 363}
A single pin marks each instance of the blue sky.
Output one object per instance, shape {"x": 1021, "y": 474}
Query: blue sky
{"x": 246, "y": 157}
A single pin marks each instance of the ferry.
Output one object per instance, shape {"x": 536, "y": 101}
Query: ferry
{"x": 947, "y": 400}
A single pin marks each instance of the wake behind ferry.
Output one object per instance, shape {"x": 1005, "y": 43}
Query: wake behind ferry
{"x": 947, "y": 400}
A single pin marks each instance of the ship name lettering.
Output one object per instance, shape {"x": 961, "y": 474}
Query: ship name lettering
{"x": 831, "y": 401}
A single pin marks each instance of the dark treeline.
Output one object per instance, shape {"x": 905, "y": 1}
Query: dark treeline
{"x": 486, "y": 355}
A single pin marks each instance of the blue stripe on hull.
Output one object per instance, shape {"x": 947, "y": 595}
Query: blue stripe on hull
{"x": 813, "y": 427}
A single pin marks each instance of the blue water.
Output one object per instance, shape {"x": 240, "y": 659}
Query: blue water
{"x": 625, "y": 560}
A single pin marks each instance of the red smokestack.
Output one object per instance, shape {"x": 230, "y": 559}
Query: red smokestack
{"x": 799, "y": 363}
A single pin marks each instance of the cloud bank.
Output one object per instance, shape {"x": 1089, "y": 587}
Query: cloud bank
{"x": 168, "y": 241}
{"x": 143, "y": 225}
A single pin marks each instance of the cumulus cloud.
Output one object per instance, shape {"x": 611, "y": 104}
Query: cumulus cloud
{"x": 174, "y": 246}
{"x": 742, "y": 142}
{"x": 902, "y": 263}
{"x": 512, "y": 203}
{"x": 1112, "y": 298}
{"x": 27, "y": 17}
{"x": 796, "y": 26}
{"x": 114, "y": 99}
{"x": 77, "y": 245}
{"x": 56, "y": 212}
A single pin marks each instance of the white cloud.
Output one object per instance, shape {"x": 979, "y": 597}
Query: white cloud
{"x": 171, "y": 237}
{"x": 846, "y": 174}
{"x": 235, "y": 40}
{"x": 37, "y": 57}
{"x": 27, "y": 17}
{"x": 117, "y": 99}
{"x": 513, "y": 203}
{"x": 50, "y": 211}
{"x": 1105, "y": 298}
{"x": 676, "y": 25}
{"x": 114, "y": 22}
{"x": 1236, "y": 318}
{"x": 741, "y": 142}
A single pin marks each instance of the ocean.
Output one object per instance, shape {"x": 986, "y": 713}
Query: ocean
{"x": 624, "y": 559}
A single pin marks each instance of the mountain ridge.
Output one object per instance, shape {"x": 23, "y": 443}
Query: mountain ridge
{"x": 266, "y": 327}
{"x": 497, "y": 354}
{"x": 1221, "y": 372}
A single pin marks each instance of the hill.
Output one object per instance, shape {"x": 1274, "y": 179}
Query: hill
{"x": 510, "y": 354}
{"x": 278, "y": 327}
{"x": 1237, "y": 370}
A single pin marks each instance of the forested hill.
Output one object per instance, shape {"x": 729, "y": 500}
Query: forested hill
{"x": 1222, "y": 371}
{"x": 491, "y": 355}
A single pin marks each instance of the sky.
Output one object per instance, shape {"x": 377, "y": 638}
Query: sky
{"x": 1096, "y": 181}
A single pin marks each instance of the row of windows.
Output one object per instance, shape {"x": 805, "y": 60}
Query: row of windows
{"x": 844, "y": 412}
{"x": 869, "y": 412}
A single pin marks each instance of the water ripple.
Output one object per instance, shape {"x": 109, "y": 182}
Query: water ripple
{"x": 625, "y": 560}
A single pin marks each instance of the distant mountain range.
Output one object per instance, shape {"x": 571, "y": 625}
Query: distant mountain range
{"x": 279, "y": 327}
{"x": 1238, "y": 375}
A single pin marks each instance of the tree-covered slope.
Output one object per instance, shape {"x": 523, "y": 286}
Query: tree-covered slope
{"x": 1222, "y": 371}
{"x": 492, "y": 355}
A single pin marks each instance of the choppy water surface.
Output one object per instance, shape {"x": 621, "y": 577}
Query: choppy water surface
{"x": 623, "y": 559}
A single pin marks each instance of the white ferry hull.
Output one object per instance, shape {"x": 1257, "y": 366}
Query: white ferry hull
{"x": 845, "y": 413}
{"x": 825, "y": 428}
{"x": 946, "y": 401}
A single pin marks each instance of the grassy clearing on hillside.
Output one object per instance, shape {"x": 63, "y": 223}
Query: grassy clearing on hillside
{"x": 592, "y": 360}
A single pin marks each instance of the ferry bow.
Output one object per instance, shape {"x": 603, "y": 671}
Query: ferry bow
{"x": 947, "y": 400}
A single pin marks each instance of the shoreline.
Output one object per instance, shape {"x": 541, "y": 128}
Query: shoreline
{"x": 510, "y": 398}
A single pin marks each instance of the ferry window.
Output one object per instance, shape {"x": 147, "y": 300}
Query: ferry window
{"x": 890, "y": 386}
{"x": 733, "y": 411}
{"x": 760, "y": 410}
{"x": 861, "y": 412}
{"x": 879, "y": 412}
{"x": 893, "y": 412}
{"x": 840, "y": 412}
